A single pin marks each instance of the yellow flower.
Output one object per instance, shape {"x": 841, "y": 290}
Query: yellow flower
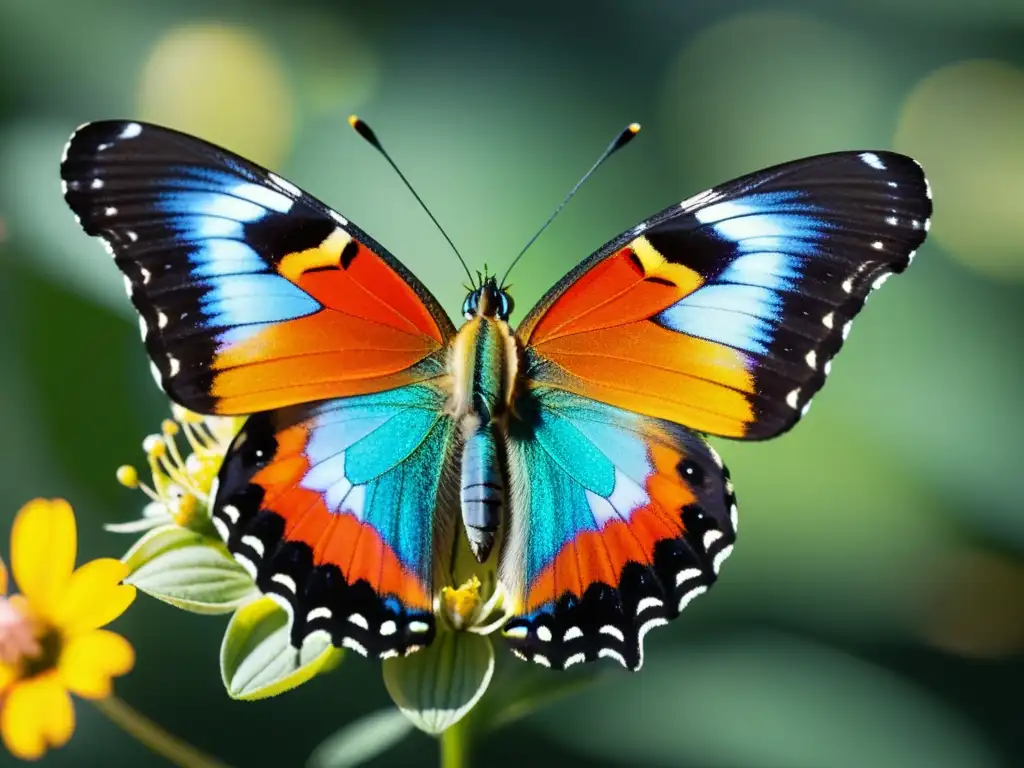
{"x": 181, "y": 489}
{"x": 51, "y": 643}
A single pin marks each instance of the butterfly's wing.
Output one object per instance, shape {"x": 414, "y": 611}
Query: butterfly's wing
{"x": 252, "y": 295}
{"x": 617, "y": 522}
{"x": 331, "y": 507}
{"x": 723, "y": 312}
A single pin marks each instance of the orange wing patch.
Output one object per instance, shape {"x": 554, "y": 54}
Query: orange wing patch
{"x": 599, "y": 338}
{"x": 355, "y": 547}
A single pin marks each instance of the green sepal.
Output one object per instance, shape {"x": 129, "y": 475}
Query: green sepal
{"x": 189, "y": 571}
{"x": 438, "y": 686}
{"x": 257, "y": 658}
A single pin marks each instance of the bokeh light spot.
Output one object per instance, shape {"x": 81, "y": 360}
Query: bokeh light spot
{"x": 963, "y": 123}
{"x": 765, "y": 87}
{"x": 222, "y": 83}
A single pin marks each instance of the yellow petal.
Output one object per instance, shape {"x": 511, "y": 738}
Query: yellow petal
{"x": 3, "y": 578}
{"x": 36, "y": 715}
{"x": 43, "y": 542}
{"x": 89, "y": 661}
{"x": 94, "y": 596}
{"x": 8, "y": 674}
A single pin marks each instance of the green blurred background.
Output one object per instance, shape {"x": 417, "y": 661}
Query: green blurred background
{"x": 873, "y": 613}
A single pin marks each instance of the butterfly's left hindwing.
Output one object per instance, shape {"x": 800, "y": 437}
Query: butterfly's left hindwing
{"x": 334, "y": 507}
{"x": 251, "y": 294}
{"x": 618, "y": 521}
{"x": 723, "y": 313}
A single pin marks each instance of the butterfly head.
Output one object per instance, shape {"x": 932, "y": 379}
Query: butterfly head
{"x": 488, "y": 301}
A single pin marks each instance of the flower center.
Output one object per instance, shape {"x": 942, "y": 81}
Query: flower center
{"x": 50, "y": 645}
{"x": 460, "y": 605}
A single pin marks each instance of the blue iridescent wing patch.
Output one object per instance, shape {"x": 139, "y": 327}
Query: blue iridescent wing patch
{"x": 334, "y": 508}
{"x": 619, "y": 521}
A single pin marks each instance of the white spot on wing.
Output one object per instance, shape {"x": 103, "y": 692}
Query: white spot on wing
{"x": 222, "y": 529}
{"x": 388, "y": 628}
{"x": 285, "y": 581}
{"x": 848, "y": 285}
{"x": 419, "y": 627}
{"x": 689, "y": 596}
{"x": 143, "y": 330}
{"x": 544, "y": 634}
{"x": 174, "y": 364}
{"x": 320, "y": 612}
{"x": 685, "y": 575}
{"x": 231, "y": 512}
{"x": 542, "y": 660}
{"x": 110, "y": 211}
{"x": 354, "y": 644}
{"x": 699, "y": 199}
{"x": 721, "y": 557}
{"x": 846, "y": 329}
{"x": 517, "y": 633}
{"x": 878, "y": 245}
{"x": 880, "y": 280}
{"x": 609, "y": 653}
{"x": 254, "y": 543}
{"x": 571, "y": 634}
{"x": 359, "y": 620}
{"x": 873, "y": 160}
{"x": 711, "y": 537}
{"x": 576, "y": 658}
{"x": 792, "y": 399}
{"x": 734, "y": 513}
{"x": 615, "y": 632}
{"x": 286, "y": 185}
{"x": 339, "y": 218}
{"x": 812, "y": 359}
{"x": 157, "y": 376}
{"x": 827, "y": 320}
{"x": 96, "y": 184}
{"x": 648, "y": 602}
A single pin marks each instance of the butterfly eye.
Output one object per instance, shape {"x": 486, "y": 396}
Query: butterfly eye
{"x": 506, "y": 305}
{"x": 469, "y": 306}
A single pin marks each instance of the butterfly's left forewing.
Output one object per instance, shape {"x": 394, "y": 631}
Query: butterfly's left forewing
{"x": 337, "y": 508}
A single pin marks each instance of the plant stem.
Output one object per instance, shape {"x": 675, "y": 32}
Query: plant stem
{"x": 179, "y": 752}
{"x": 455, "y": 747}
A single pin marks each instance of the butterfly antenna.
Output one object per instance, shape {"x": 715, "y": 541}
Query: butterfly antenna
{"x": 618, "y": 143}
{"x": 367, "y": 133}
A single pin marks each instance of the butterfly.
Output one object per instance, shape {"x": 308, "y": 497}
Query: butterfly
{"x": 571, "y": 448}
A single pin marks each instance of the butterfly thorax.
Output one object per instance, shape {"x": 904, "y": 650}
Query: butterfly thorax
{"x": 483, "y": 364}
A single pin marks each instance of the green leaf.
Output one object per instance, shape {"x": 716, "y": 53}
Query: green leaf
{"x": 362, "y": 740}
{"x": 257, "y": 658}
{"x": 438, "y": 686}
{"x": 765, "y": 700}
{"x": 188, "y": 570}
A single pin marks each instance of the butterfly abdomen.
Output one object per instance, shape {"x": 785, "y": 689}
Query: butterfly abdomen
{"x": 483, "y": 490}
{"x": 483, "y": 361}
